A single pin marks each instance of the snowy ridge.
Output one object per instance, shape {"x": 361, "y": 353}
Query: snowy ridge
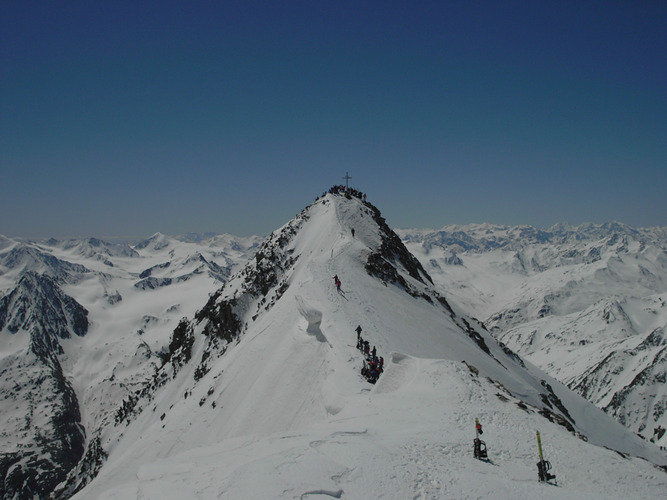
{"x": 260, "y": 395}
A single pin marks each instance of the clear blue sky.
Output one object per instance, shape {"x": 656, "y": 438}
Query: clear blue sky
{"x": 131, "y": 117}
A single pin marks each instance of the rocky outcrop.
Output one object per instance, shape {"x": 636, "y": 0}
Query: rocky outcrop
{"x": 42, "y": 427}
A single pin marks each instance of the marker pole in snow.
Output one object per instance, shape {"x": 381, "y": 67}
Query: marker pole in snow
{"x": 539, "y": 445}
{"x": 543, "y": 466}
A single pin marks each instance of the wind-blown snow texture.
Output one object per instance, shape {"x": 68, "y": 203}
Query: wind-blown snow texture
{"x": 258, "y": 394}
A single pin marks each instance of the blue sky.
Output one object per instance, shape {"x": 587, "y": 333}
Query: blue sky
{"x": 126, "y": 118}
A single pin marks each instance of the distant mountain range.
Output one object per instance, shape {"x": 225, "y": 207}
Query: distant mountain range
{"x": 588, "y": 304}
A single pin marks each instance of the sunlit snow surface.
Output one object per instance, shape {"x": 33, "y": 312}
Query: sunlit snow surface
{"x": 285, "y": 414}
{"x": 588, "y": 304}
{"x": 408, "y": 437}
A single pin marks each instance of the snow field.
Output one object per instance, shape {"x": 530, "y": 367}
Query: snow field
{"x": 409, "y": 437}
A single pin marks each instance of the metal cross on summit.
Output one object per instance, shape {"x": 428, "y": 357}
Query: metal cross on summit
{"x": 347, "y": 178}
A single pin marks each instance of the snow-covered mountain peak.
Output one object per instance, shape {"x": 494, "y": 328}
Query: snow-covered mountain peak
{"x": 271, "y": 356}
{"x": 38, "y": 304}
{"x": 334, "y": 223}
{"x": 156, "y": 242}
{"x": 21, "y": 258}
{"x": 257, "y": 392}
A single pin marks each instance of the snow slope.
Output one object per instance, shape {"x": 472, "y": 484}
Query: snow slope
{"x": 261, "y": 395}
{"x": 585, "y": 303}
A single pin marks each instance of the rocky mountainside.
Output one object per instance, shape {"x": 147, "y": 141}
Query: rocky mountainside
{"x": 42, "y": 437}
{"x": 81, "y": 323}
{"x": 585, "y": 303}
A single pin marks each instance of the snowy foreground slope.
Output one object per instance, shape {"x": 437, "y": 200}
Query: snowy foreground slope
{"x": 260, "y": 395}
{"x": 588, "y": 304}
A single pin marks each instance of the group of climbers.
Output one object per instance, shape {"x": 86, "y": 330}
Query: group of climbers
{"x": 348, "y": 191}
{"x": 373, "y": 365}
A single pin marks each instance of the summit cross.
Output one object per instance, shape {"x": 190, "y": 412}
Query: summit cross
{"x": 347, "y": 178}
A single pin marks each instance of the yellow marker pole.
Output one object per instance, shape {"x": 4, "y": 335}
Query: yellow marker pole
{"x": 539, "y": 445}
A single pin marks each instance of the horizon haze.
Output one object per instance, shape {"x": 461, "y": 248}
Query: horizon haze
{"x": 126, "y": 119}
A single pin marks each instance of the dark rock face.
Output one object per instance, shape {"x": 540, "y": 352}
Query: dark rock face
{"x": 46, "y": 450}
{"x": 39, "y": 306}
{"x": 148, "y": 272}
{"x": 152, "y": 283}
{"x": 42, "y": 424}
{"x": 180, "y": 347}
{"x": 263, "y": 282}
{"x": 87, "y": 468}
{"x": 39, "y": 452}
{"x": 393, "y": 251}
{"x": 260, "y": 284}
